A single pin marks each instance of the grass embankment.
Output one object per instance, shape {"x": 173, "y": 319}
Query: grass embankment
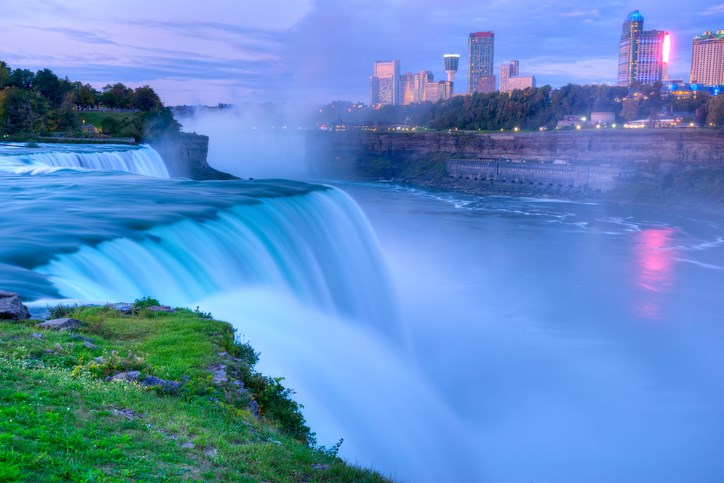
{"x": 96, "y": 117}
{"x": 62, "y": 419}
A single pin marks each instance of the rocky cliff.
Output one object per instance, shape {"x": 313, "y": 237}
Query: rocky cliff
{"x": 185, "y": 156}
{"x": 631, "y": 164}
{"x": 600, "y": 146}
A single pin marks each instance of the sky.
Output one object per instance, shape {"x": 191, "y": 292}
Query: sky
{"x": 310, "y": 51}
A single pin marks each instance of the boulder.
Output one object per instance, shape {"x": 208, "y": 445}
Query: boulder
{"x": 123, "y": 307}
{"x": 130, "y": 376}
{"x": 64, "y": 323}
{"x": 11, "y": 308}
{"x": 157, "y": 381}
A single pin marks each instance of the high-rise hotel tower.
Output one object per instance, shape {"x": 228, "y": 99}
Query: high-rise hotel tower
{"x": 385, "y": 83}
{"x": 643, "y": 56}
{"x": 707, "y": 59}
{"x": 481, "y": 46}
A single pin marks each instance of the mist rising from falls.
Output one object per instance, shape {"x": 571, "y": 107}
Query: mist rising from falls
{"x": 20, "y": 159}
{"x": 250, "y": 143}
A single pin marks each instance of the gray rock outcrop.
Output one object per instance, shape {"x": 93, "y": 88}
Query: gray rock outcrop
{"x": 64, "y": 323}
{"x": 11, "y": 307}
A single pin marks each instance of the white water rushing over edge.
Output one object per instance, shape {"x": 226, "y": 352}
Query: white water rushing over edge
{"x": 43, "y": 158}
{"x": 302, "y": 278}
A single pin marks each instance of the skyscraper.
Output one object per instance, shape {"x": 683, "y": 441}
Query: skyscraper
{"x": 643, "y": 56}
{"x": 413, "y": 87}
{"x": 385, "y": 83}
{"x": 510, "y": 79}
{"x": 507, "y": 70}
{"x": 707, "y": 59}
{"x": 481, "y": 47}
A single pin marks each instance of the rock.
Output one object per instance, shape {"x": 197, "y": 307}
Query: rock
{"x": 58, "y": 347}
{"x": 254, "y": 408}
{"x": 318, "y": 466}
{"x": 157, "y": 381}
{"x": 99, "y": 360}
{"x": 126, "y": 413}
{"x": 35, "y": 335}
{"x": 240, "y": 385}
{"x": 11, "y": 308}
{"x": 89, "y": 344}
{"x": 210, "y": 452}
{"x": 130, "y": 376}
{"x": 218, "y": 373}
{"x": 160, "y": 308}
{"x": 60, "y": 324}
{"x": 188, "y": 445}
{"x": 123, "y": 307}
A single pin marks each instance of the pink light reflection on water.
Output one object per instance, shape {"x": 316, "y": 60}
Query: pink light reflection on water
{"x": 655, "y": 274}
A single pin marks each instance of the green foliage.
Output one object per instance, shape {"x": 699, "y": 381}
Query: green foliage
{"x": 115, "y": 363}
{"x": 63, "y": 421}
{"x": 159, "y": 123}
{"x": 144, "y": 303}
{"x": 276, "y": 403}
{"x": 715, "y": 110}
{"x": 202, "y": 314}
{"x": 43, "y": 102}
{"x": 59, "y": 311}
{"x": 22, "y": 111}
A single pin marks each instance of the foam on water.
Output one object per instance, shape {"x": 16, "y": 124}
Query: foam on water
{"x": 48, "y": 158}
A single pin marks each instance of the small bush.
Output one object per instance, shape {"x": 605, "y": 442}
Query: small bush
{"x": 144, "y": 303}
{"x": 59, "y": 311}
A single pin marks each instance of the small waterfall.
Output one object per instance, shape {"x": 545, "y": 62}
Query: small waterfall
{"x": 317, "y": 247}
{"x": 142, "y": 160}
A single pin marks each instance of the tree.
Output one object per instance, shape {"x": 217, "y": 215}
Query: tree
{"x": 5, "y": 72}
{"x": 145, "y": 99}
{"x": 117, "y": 96}
{"x": 84, "y": 95}
{"x": 22, "y": 110}
{"x": 22, "y": 78}
{"x": 715, "y": 106}
{"x": 50, "y": 87}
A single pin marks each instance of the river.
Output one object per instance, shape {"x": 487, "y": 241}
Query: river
{"x": 445, "y": 337}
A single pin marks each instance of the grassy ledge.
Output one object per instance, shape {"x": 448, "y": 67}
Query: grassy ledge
{"x": 193, "y": 408}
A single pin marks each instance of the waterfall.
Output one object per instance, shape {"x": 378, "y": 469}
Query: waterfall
{"x": 317, "y": 247}
{"x": 21, "y": 159}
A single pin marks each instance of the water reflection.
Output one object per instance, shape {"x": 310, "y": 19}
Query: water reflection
{"x": 655, "y": 264}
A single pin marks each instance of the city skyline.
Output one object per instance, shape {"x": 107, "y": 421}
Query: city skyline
{"x": 319, "y": 50}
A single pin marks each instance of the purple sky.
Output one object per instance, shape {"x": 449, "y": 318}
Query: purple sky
{"x": 319, "y": 50}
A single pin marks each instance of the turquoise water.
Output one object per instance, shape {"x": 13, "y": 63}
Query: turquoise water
{"x": 444, "y": 337}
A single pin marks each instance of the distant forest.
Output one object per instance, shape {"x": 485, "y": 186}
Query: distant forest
{"x": 42, "y": 103}
{"x": 532, "y": 108}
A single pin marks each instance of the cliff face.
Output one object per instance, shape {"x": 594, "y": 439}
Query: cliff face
{"x": 185, "y": 156}
{"x": 633, "y": 164}
{"x": 590, "y": 147}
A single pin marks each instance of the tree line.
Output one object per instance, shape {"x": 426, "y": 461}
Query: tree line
{"x": 532, "y": 108}
{"x": 42, "y": 102}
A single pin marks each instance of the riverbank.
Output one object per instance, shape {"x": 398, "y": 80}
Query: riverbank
{"x": 648, "y": 166}
{"x": 143, "y": 392}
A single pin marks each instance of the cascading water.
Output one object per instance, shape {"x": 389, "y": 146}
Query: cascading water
{"x": 316, "y": 247}
{"x": 43, "y": 158}
{"x": 294, "y": 266}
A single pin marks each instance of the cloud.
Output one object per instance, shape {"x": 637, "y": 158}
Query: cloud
{"x": 581, "y": 13}
{"x": 715, "y": 10}
{"x": 80, "y": 35}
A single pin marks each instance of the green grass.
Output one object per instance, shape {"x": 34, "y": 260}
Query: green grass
{"x": 96, "y": 117}
{"x": 61, "y": 419}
